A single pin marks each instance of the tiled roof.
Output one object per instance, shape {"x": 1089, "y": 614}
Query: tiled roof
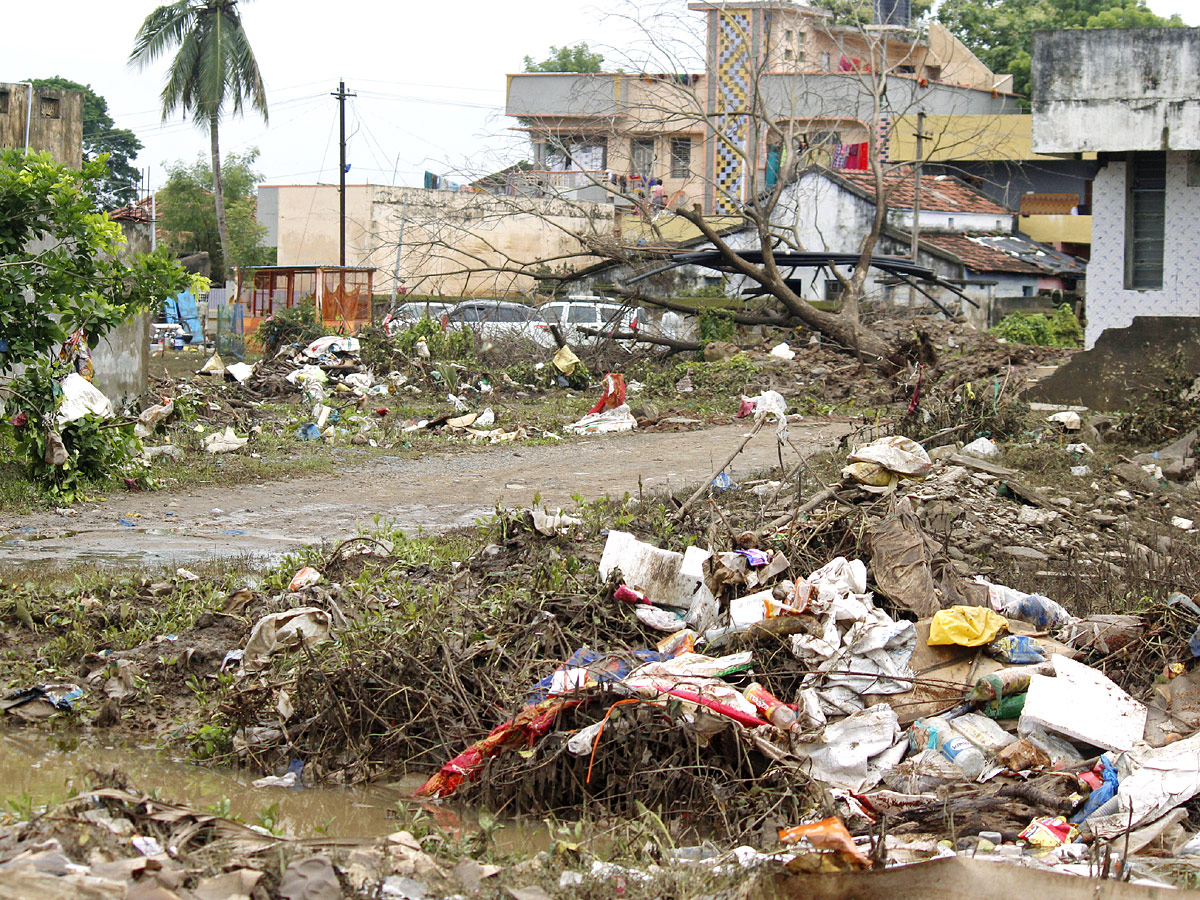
{"x": 132, "y": 213}
{"x": 939, "y": 193}
{"x": 1006, "y": 253}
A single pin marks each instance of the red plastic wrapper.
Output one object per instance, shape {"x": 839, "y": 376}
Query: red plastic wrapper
{"x": 614, "y": 393}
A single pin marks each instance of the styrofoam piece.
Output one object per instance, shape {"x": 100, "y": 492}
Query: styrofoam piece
{"x": 1082, "y": 704}
{"x": 659, "y": 574}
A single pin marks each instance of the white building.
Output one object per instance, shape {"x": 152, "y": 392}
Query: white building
{"x": 1133, "y": 97}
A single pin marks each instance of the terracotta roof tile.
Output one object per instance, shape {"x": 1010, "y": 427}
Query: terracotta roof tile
{"x": 939, "y": 193}
{"x": 1005, "y": 253}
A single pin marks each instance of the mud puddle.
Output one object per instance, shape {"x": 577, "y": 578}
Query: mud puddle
{"x": 37, "y": 770}
{"x": 436, "y": 492}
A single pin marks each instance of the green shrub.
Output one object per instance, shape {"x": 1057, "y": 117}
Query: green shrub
{"x": 1058, "y": 329}
{"x": 292, "y": 325}
{"x": 715, "y": 325}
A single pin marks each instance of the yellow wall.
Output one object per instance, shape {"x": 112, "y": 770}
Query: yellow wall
{"x": 984, "y": 138}
{"x": 1056, "y": 229}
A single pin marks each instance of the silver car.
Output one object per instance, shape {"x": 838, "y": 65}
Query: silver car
{"x": 500, "y": 320}
{"x": 601, "y": 314}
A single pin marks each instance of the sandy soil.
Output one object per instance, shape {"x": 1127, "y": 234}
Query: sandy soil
{"x": 436, "y": 491}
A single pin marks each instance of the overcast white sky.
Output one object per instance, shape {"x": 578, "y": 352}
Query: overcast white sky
{"x": 430, "y": 76}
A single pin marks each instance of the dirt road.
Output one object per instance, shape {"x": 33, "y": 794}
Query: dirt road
{"x": 436, "y": 491}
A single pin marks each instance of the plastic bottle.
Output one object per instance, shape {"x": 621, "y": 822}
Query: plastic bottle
{"x": 935, "y": 733}
{"x": 777, "y": 712}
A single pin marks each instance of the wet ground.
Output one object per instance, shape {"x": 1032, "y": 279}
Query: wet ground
{"x": 434, "y": 492}
{"x": 41, "y": 769}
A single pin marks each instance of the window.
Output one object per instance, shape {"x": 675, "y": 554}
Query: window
{"x": 641, "y": 151}
{"x": 833, "y": 289}
{"x": 823, "y": 138}
{"x": 933, "y": 73}
{"x": 567, "y": 153}
{"x": 826, "y": 61}
{"x": 3, "y": 103}
{"x": 1145, "y": 220}
{"x": 582, "y": 315}
{"x": 50, "y": 107}
{"x": 1193, "y": 170}
{"x": 789, "y": 36}
{"x": 789, "y": 53}
{"x": 681, "y": 157}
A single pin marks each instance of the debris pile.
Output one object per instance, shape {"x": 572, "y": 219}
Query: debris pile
{"x": 900, "y": 692}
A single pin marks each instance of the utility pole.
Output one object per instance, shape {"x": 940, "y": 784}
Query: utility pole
{"x": 915, "y": 230}
{"x": 916, "y": 227}
{"x": 399, "y": 250}
{"x": 341, "y": 98}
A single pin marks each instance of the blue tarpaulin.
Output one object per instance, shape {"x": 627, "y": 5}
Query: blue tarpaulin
{"x": 181, "y": 309}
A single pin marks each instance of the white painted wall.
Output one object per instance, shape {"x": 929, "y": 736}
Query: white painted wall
{"x": 1109, "y": 304}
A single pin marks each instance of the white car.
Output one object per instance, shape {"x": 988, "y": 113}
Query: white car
{"x": 500, "y": 320}
{"x": 603, "y": 314}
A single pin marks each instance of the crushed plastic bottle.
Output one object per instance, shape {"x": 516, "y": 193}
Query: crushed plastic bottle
{"x": 935, "y": 733}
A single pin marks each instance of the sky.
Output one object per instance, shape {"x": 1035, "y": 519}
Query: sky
{"x": 430, "y": 77}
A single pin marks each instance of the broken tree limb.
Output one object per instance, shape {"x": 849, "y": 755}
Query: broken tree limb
{"x": 808, "y": 506}
{"x": 674, "y": 344}
{"x": 708, "y": 484}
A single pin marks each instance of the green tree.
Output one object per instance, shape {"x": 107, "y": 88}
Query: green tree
{"x": 187, "y": 213}
{"x": 579, "y": 58}
{"x": 213, "y": 71}
{"x": 63, "y": 267}
{"x": 999, "y": 31}
{"x": 119, "y": 186}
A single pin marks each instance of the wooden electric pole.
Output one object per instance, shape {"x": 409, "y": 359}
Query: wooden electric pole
{"x": 341, "y": 98}
{"x": 916, "y": 205}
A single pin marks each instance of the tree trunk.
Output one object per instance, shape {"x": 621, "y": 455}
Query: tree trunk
{"x": 219, "y": 201}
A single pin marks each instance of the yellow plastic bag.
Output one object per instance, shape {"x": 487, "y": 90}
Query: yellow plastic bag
{"x": 565, "y": 361}
{"x": 967, "y": 626}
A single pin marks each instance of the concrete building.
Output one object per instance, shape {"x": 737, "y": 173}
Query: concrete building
{"x": 783, "y": 83}
{"x": 1131, "y": 97}
{"x": 451, "y": 243}
{"x": 44, "y": 120}
{"x": 964, "y": 235}
{"x": 995, "y": 155}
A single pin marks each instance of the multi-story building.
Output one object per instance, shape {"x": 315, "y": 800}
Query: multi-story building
{"x": 783, "y": 83}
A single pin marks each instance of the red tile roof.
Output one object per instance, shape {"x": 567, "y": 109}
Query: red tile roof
{"x": 939, "y": 193}
{"x": 980, "y": 257}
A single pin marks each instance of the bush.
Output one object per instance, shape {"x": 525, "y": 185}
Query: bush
{"x": 95, "y": 448}
{"x": 715, "y": 325}
{"x": 382, "y": 352}
{"x": 1059, "y": 329}
{"x": 292, "y": 325}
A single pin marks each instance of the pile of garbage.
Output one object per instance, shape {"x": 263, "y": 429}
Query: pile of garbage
{"x": 341, "y": 399}
{"x": 934, "y": 695}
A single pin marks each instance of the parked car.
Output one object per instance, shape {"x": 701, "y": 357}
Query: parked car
{"x": 606, "y": 315}
{"x": 410, "y": 313}
{"x": 500, "y": 319}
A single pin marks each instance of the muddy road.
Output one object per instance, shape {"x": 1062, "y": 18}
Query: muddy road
{"x": 437, "y": 491}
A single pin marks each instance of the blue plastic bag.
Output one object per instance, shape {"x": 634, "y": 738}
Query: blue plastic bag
{"x": 1017, "y": 650}
{"x": 1100, "y": 795}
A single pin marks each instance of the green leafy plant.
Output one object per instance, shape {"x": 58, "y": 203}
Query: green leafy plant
{"x": 82, "y": 282}
{"x": 1058, "y": 329}
{"x": 298, "y": 324}
{"x": 715, "y": 325}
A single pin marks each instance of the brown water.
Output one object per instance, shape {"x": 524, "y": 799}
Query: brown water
{"x": 39, "y": 769}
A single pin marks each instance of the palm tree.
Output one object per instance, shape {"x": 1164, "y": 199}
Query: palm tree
{"x": 213, "y": 70}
